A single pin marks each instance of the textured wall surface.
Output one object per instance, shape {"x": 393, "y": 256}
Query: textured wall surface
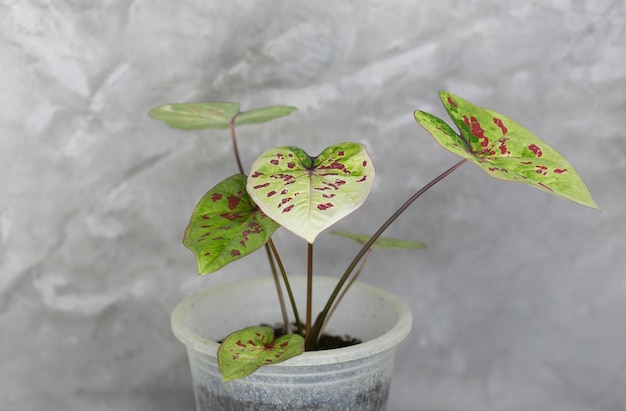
{"x": 519, "y": 302}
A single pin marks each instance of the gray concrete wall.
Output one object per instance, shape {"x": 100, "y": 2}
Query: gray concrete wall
{"x": 519, "y": 300}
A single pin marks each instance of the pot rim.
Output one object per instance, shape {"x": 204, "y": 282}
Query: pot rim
{"x": 382, "y": 343}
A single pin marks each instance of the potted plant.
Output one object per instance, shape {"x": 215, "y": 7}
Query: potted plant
{"x": 261, "y": 367}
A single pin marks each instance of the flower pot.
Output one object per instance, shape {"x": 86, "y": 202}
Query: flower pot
{"x": 351, "y": 378}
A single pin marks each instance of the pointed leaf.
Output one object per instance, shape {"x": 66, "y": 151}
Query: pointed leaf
{"x": 308, "y": 194}
{"x": 382, "y": 243}
{"x": 263, "y": 114}
{"x": 196, "y": 116}
{"x": 245, "y": 351}
{"x": 226, "y": 226}
{"x": 504, "y": 149}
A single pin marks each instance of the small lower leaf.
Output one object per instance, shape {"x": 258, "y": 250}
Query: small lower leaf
{"x": 245, "y": 351}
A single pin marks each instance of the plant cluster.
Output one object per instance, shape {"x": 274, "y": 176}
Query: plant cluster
{"x": 307, "y": 194}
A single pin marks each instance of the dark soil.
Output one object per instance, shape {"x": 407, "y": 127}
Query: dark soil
{"x": 326, "y": 341}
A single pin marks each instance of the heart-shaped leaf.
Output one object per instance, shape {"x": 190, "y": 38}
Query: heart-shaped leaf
{"x": 226, "y": 226}
{"x": 308, "y": 194}
{"x": 196, "y": 116}
{"x": 382, "y": 243}
{"x": 245, "y": 351}
{"x": 504, "y": 149}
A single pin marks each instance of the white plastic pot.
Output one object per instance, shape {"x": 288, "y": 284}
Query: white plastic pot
{"x": 351, "y": 378}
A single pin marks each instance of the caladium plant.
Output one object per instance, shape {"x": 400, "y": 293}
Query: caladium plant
{"x": 306, "y": 194}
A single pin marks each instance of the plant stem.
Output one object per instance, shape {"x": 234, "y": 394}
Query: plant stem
{"x": 269, "y": 249}
{"x": 345, "y": 290}
{"x": 321, "y": 318}
{"x": 292, "y": 299}
{"x": 309, "y": 340}
{"x": 233, "y": 140}
{"x": 279, "y": 290}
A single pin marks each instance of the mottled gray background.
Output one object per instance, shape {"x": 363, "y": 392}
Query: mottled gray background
{"x": 520, "y": 300}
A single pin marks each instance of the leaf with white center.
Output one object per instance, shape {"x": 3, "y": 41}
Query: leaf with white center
{"x": 245, "y": 351}
{"x": 226, "y": 226}
{"x": 382, "y": 243}
{"x": 308, "y": 194}
{"x": 504, "y": 149}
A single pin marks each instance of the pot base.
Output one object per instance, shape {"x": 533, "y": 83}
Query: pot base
{"x": 373, "y": 399}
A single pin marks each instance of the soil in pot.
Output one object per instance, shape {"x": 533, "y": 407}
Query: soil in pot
{"x": 326, "y": 341}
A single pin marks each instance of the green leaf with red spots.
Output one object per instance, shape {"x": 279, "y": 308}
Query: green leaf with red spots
{"x": 196, "y": 116}
{"x": 382, "y": 243}
{"x": 245, "y": 351}
{"x": 309, "y": 194}
{"x": 226, "y": 226}
{"x": 504, "y": 149}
